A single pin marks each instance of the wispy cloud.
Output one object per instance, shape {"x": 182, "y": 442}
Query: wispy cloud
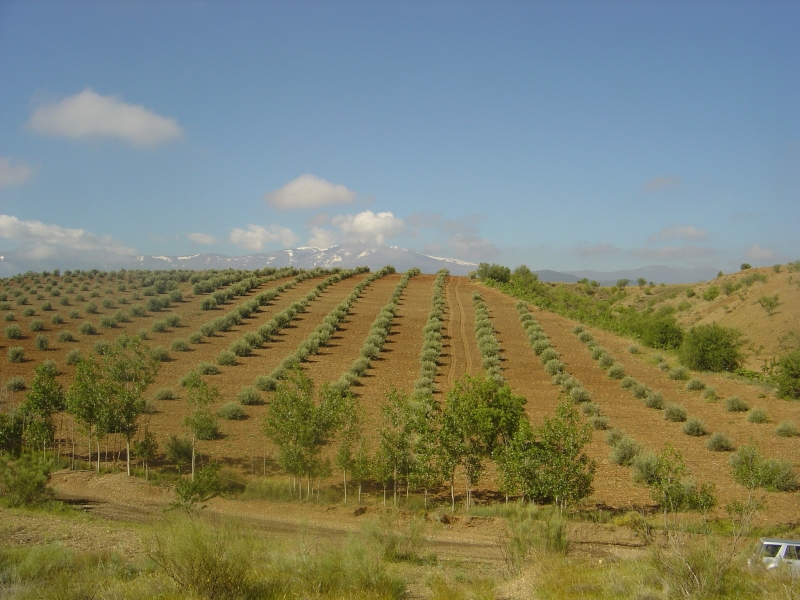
{"x": 661, "y": 182}
{"x": 201, "y": 238}
{"x": 256, "y": 237}
{"x": 674, "y": 252}
{"x": 89, "y": 114}
{"x": 14, "y": 174}
{"x": 461, "y": 235}
{"x": 39, "y": 241}
{"x": 760, "y": 254}
{"x": 597, "y": 250}
{"x": 679, "y": 232}
{"x": 309, "y": 191}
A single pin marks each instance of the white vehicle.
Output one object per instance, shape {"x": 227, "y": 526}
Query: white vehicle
{"x": 772, "y": 553}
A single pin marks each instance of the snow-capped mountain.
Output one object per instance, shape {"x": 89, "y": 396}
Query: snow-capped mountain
{"x": 343, "y": 256}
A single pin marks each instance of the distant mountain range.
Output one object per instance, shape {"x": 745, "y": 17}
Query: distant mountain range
{"x": 348, "y": 256}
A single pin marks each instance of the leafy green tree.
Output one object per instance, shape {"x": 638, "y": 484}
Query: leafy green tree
{"x": 641, "y": 282}
{"x": 426, "y": 471}
{"x": 146, "y": 449}
{"x": 524, "y": 277}
{"x": 45, "y": 398}
{"x": 712, "y": 348}
{"x": 300, "y": 427}
{"x": 198, "y": 489}
{"x": 351, "y": 432}
{"x": 547, "y": 463}
{"x": 361, "y": 466}
{"x": 622, "y": 283}
{"x": 86, "y": 400}
{"x": 479, "y": 414}
{"x": 787, "y": 376}
{"x": 200, "y": 420}
{"x": 495, "y": 272}
{"x": 129, "y": 370}
{"x": 394, "y": 445}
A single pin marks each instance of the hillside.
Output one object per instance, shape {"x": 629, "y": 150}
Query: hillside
{"x": 134, "y": 303}
{"x": 769, "y": 333}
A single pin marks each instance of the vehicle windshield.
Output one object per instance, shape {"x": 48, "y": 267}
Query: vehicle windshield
{"x": 769, "y": 550}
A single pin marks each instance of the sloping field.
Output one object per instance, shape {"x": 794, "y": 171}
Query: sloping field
{"x": 99, "y": 299}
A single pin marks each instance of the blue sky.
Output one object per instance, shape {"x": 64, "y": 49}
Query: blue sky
{"x": 562, "y": 135}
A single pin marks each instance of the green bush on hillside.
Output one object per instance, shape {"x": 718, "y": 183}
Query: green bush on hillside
{"x": 787, "y": 376}
{"x": 712, "y": 348}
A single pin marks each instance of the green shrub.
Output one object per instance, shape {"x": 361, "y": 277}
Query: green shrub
{"x": 549, "y": 354}
{"x": 616, "y": 371}
{"x": 645, "y": 467}
{"x": 86, "y": 328}
{"x": 159, "y": 326}
{"x": 633, "y": 349}
{"x": 226, "y": 358}
{"x": 640, "y": 390}
{"x": 654, "y": 399}
{"x": 16, "y": 354}
{"x": 627, "y": 383}
{"x": 675, "y": 413}
{"x": 101, "y": 347}
{"x": 580, "y": 394}
{"x": 710, "y": 394}
{"x": 195, "y": 338}
{"x": 232, "y": 411}
{"x": 605, "y": 361}
{"x": 74, "y": 314}
{"x": 206, "y": 368}
{"x": 787, "y": 375}
{"x": 752, "y": 470}
{"x": 239, "y": 347}
{"x": 90, "y": 309}
{"x": 265, "y": 383}
{"x": 14, "y": 332}
{"x": 679, "y": 374}
{"x": 179, "y": 345}
{"x": 585, "y": 337}
{"x": 42, "y": 342}
{"x": 36, "y": 325}
{"x": 624, "y": 451}
{"x": 165, "y": 394}
{"x": 719, "y": 442}
{"x": 695, "y": 384}
{"x": 694, "y": 427}
{"x": 107, "y": 322}
{"x": 599, "y": 422}
{"x": 787, "y": 429}
{"x": 663, "y": 365}
{"x": 758, "y": 416}
{"x": 28, "y": 312}
{"x": 65, "y": 336}
{"x": 172, "y": 320}
{"x": 57, "y": 319}
{"x": 598, "y": 352}
{"x": 160, "y": 354}
{"x": 15, "y": 384}
{"x": 248, "y": 395}
{"x": 73, "y": 357}
{"x": 711, "y": 293}
{"x": 736, "y": 404}
{"x": 554, "y": 366}
{"x": 590, "y": 409}
{"x": 8, "y": 317}
{"x": 712, "y": 348}
{"x": 23, "y": 481}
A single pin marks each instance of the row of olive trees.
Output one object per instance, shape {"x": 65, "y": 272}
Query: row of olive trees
{"x": 487, "y": 342}
{"x": 245, "y": 309}
{"x": 376, "y": 338}
{"x": 321, "y": 334}
{"x": 245, "y": 344}
{"x": 432, "y": 338}
{"x": 242, "y": 287}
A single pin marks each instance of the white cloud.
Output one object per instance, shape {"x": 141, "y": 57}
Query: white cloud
{"x": 256, "y": 237}
{"x": 201, "y": 238}
{"x": 322, "y": 238}
{"x": 661, "y": 182}
{"x": 368, "y": 226}
{"x": 679, "y": 232}
{"x": 309, "y": 191}
{"x": 758, "y": 253}
{"x": 39, "y": 241}
{"x": 89, "y": 114}
{"x": 11, "y": 174}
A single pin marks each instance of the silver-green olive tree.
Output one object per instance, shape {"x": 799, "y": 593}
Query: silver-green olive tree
{"x": 200, "y": 420}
